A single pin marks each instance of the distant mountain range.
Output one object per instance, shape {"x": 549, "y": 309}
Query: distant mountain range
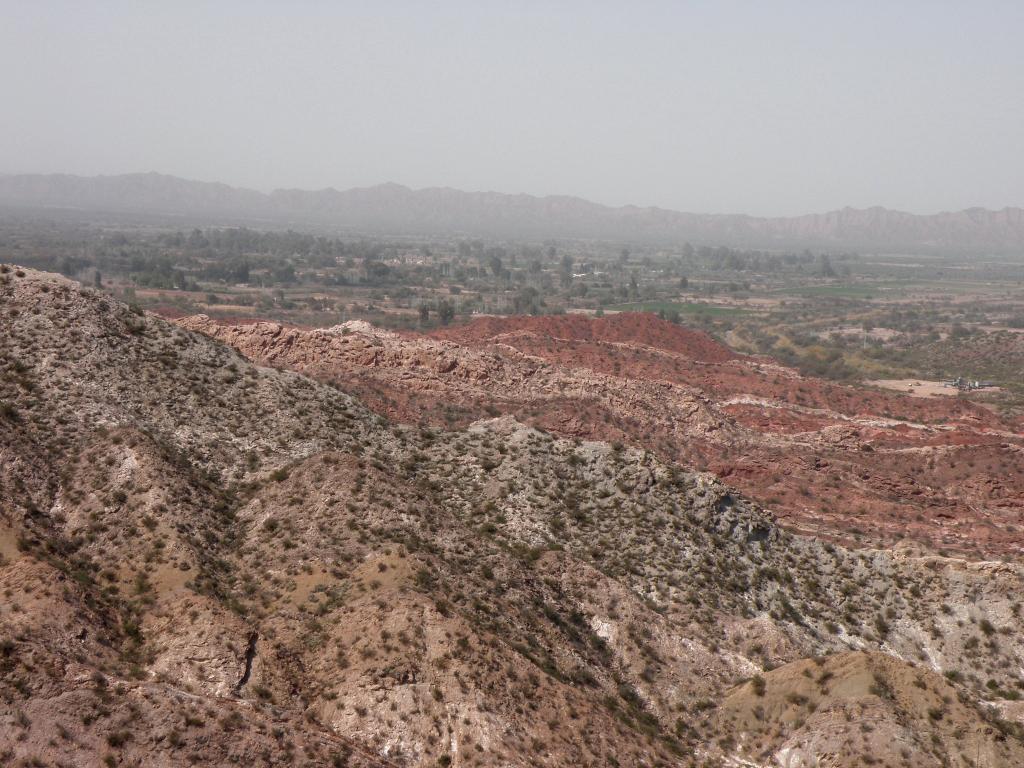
{"x": 395, "y": 209}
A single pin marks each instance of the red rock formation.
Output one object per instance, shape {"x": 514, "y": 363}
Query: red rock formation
{"x": 827, "y": 458}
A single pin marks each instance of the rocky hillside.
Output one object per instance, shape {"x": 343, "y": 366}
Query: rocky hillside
{"x": 834, "y": 460}
{"x": 205, "y": 561}
{"x": 397, "y": 209}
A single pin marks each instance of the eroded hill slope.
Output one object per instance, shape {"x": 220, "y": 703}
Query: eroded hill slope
{"x": 210, "y": 562}
{"x": 827, "y": 459}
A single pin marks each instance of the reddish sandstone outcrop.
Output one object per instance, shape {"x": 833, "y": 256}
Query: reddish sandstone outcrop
{"x": 827, "y": 458}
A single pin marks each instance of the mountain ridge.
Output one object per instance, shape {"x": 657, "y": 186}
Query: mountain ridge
{"x": 398, "y": 209}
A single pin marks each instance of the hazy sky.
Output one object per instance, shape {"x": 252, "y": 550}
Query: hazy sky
{"x": 757, "y": 107}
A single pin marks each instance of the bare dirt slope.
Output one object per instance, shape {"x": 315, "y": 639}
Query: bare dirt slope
{"x": 211, "y": 562}
{"x": 855, "y": 709}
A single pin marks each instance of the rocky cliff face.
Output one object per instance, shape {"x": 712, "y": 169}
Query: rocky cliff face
{"x": 207, "y": 561}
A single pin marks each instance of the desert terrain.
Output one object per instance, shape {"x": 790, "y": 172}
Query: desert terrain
{"x": 851, "y": 463}
{"x": 492, "y": 385}
{"x": 218, "y": 553}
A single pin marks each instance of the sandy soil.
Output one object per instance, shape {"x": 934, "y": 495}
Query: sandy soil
{"x": 919, "y": 387}
{"x": 883, "y": 334}
{"x": 8, "y": 545}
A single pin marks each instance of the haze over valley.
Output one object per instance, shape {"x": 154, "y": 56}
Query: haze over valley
{"x": 395, "y": 209}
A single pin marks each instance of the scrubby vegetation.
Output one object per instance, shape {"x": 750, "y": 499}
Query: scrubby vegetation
{"x": 208, "y": 560}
